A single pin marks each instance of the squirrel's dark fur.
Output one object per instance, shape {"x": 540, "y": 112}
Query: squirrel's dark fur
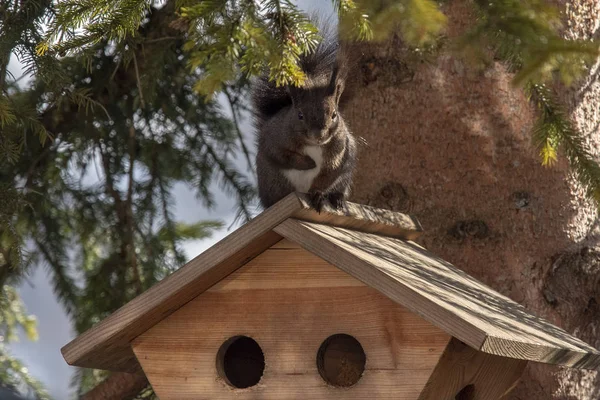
{"x": 304, "y": 143}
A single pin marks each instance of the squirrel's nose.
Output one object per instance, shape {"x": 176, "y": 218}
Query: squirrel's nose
{"x": 318, "y": 133}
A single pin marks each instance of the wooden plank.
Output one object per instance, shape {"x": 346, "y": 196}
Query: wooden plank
{"x": 467, "y": 374}
{"x": 279, "y": 270}
{"x": 443, "y": 295}
{"x": 290, "y": 301}
{"x": 362, "y": 218}
{"x": 107, "y": 344}
{"x": 286, "y": 244}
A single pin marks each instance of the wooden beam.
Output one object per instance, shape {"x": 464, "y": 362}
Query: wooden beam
{"x": 362, "y": 218}
{"x": 443, "y": 295}
{"x": 467, "y": 374}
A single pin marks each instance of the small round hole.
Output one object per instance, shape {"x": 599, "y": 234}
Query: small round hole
{"x": 240, "y": 362}
{"x": 467, "y": 393}
{"x": 341, "y": 360}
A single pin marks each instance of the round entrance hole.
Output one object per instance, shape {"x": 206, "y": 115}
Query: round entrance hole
{"x": 341, "y": 360}
{"x": 240, "y": 362}
{"x": 467, "y": 393}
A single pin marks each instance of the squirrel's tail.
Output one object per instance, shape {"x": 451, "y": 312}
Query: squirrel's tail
{"x": 268, "y": 99}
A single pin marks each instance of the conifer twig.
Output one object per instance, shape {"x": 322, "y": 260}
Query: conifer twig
{"x": 139, "y": 82}
{"x": 239, "y": 131}
{"x": 129, "y": 210}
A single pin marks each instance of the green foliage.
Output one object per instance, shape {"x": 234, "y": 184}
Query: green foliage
{"x": 83, "y": 23}
{"x": 353, "y": 21}
{"x": 147, "y": 394}
{"x": 14, "y": 374}
{"x": 199, "y": 230}
{"x": 120, "y": 228}
{"x": 224, "y": 35}
{"x": 554, "y": 130}
{"x": 420, "y": 22}
{"x": 13, "y": 317}
{"x": 20, "y": 30}
{"x": 11, "y": 255}
{"x": 94, "y": 196}
{"x": 527, "y": 35}
{"x": 227, "y": 38}
{"x": 7, "y": 114}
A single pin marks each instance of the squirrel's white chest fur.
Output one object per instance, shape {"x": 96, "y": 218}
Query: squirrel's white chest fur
{"x": 302, "y": 180}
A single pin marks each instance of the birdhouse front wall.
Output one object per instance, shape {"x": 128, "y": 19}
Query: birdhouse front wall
{"x": 290, "y": 302}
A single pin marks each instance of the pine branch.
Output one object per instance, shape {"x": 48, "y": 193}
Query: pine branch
{"x": 64, "y": 286}
{"x": 232, "y": 180}
{"x": 139, "y": 82}
{"x": 526, "y": 34}
{"x": 11, "y": 252}
{"x": 14, "y": 373}
{"x": 131, "y": 255}
{"x": 169, "y": 232}
{"x": 3, "y": 69}
{"x": 108, "y": 177}
{"x": 354, "y": 21}
{"x": 232, "y": 105}
{"x": 554, "y": 129}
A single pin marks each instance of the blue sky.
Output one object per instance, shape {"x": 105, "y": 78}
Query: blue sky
{"x": 43, "y": 357}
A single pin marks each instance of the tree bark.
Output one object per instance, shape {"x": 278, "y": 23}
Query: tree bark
{"x": 118, "y": 386}
{"x": 452, "y": 146}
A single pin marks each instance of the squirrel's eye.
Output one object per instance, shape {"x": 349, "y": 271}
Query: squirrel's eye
{"x": 334, "y": 115}
{"x": 300, "y": 115}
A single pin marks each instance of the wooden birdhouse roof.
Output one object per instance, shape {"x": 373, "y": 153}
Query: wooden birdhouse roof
{"x": 373, "y": 245}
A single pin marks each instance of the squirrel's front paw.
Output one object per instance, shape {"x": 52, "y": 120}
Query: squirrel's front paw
{"x": 317, "y": 199}
{"x": 306, "y": 163}
{"x": 336, "y": 199}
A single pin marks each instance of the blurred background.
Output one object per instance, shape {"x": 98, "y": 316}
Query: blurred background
{"x": 126, "y": 149}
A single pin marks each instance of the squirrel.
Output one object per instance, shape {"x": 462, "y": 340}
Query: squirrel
{"x": 304, "y": 143}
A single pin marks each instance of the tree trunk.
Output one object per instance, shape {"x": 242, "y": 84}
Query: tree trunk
{"x": 118, "y": 386}
{"x": 452, "y": 146}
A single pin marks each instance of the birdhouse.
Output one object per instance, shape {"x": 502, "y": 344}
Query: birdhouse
{"x": 297, "y": 304}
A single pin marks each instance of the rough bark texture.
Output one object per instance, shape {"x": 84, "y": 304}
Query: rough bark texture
{"x": 452, "y": 145}
{"x": 118, "y": 386}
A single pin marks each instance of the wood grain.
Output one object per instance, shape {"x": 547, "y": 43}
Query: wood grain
{"x": 491, "y": 377}
{"x": 362, "y": 218}
{"x": 290, "y": 316}
{"x": 107, "y": 344}
{"x": 443, "y": 295}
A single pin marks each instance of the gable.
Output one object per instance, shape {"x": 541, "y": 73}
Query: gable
{"x": 290, "y": 301}
{"x": 107, "y": 345}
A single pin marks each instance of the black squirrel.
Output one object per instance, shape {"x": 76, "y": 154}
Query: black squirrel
{"x": 304, "y": 144}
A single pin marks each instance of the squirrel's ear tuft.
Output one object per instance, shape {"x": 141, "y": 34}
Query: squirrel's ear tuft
{"x": 339, "y": 89}
{"x": 331, "y": 88}
{"x": 293, "y": 92}
{"x": 336, "y": 84}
